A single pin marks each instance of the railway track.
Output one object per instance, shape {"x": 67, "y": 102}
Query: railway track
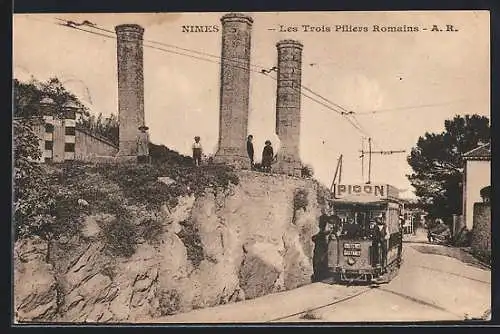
{"x": 363, "y": 292}
{"x": 336, "y": 301}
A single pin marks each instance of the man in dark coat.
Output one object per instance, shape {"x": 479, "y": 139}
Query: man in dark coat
{"x": 320, "y": 255}
{"x": 250, "y": 149}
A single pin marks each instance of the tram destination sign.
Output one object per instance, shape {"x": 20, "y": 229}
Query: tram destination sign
{"x": 380, "y": 191}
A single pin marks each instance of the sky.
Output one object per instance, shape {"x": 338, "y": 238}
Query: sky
{"x": 415, "y": 80}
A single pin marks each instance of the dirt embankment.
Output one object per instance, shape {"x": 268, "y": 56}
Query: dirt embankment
{"x": 226, "y": 245}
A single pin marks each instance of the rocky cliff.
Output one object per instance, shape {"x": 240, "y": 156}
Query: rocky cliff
{"x": 223, "y": 246}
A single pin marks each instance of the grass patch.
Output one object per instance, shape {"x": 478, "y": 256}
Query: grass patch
{"x": 120, "y": 235}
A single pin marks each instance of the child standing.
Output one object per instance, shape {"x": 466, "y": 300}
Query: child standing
{"x": 197, "y": 151}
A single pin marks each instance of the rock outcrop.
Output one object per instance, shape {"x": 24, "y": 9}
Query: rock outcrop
{"x": 228, "y": 245}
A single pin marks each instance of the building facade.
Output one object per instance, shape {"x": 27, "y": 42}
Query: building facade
{"x": 477, "y": 175}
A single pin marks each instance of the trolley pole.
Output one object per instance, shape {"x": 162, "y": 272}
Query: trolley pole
{"x": 337, "y": 169}
{"x": 370, "y": 152}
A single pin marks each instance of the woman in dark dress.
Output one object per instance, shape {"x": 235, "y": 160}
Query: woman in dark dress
{"x": 267, "y": 156}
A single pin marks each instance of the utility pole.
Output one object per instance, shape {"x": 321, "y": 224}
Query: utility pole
{"x": 369, "y": 159}
{"x": 340, "y": 169}
{"x": 362, "y": 159}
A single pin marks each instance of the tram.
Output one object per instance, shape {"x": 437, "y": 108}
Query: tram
{"x": 354, "y": 252}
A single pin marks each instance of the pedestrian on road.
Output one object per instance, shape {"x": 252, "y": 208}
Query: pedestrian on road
{"x": 143, "y": 145}
{"x": 320, "y": 255}
{"x": 250, "y": 150}
{"x": 267, "y": 156}
{"x": 197, "y": 151}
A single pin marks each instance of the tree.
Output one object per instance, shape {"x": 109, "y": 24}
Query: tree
{"x": 32, "y": 198}
{"x": 27, "y": 97}
{"x": 33, "y": 201}
{"x": 107, "y": 127}
{"x": 437, "y": 164}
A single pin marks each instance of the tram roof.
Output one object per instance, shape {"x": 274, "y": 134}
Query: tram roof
{"x": 365, "y": 200}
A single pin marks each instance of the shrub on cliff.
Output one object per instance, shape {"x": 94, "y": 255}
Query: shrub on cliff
{"x": 307, "y": 172}
{"x": 300, "y": 200}
{"x": 130, "y": 192}
{"x": 32, "y": 198}
{"x": 161, "y": 154}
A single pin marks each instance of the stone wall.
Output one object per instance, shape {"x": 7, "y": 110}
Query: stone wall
{"x": 481, "y": 232}
{"x": 89, "y": 145}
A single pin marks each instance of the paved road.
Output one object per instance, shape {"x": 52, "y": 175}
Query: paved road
{"x": 429, "y": 287}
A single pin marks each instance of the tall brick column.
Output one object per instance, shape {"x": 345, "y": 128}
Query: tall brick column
{"x": 288, "y": 106}
{"x": 235, "y": 90}
{"x": 130, "y": 86}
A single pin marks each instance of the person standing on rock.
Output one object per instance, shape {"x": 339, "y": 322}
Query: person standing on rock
{"x": 197, "y": 151}
{"x": 250, "y": 150}
{"x": 143, "y": 145}
{"x": 267, "y": 156}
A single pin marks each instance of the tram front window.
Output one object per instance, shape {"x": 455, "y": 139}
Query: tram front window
{"x": 356, "y": 225}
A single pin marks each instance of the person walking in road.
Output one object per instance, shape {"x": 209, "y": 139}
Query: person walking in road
{"x": 250, "y": 150}
{"x": 143, "y": 145}
{"x": 267, "y": 156}
{"x": 197, "y": 151}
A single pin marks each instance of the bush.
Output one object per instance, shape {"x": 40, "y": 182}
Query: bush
{"x": 307, "y": 171}
{"x": 32, "y": 199}
{"x": 120, "y": 235}
{"x": 169, "y": 302}
{"x": 162, "y": 154}
{"x": 300, "y": 200}
{"x": 191, "y": 239}
{"x": 482, "y": 255}
{"x": 150, "y": 230}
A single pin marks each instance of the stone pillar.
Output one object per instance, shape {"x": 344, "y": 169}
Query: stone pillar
{"x": 130, "y": 86}
{"x": 235, "y": 90}
{"x": 288, "y": 106}
{"x": 47, "y": 112}
{"x": 70, "y": 111}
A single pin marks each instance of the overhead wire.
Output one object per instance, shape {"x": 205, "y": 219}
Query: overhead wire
{"x": 343, "y": 112}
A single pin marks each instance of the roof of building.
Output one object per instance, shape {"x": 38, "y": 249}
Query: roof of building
{"x": 482, "y": 152}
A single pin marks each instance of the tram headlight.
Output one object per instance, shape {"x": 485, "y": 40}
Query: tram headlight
{"x": 351, "y": 261}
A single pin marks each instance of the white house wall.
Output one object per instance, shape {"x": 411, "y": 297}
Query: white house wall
{"x": 478, "y": 176}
